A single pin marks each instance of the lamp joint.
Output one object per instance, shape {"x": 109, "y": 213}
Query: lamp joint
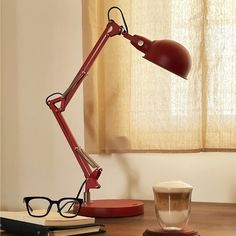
{"x": 140, "y": 43}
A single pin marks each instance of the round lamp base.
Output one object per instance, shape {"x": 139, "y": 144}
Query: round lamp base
{"x": 112, "y": 208}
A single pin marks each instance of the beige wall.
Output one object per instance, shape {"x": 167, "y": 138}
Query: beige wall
{"x": 41, "y": 53}
{"x": 1, "y": 102}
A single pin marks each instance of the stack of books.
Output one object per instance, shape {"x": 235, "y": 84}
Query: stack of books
{"x": 21, "y": 223}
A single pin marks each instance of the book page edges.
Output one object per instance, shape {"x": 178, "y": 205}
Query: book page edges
{"x": 52, "y": 219}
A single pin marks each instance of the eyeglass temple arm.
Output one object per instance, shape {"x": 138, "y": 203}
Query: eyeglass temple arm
{"x": 59, "y": 104}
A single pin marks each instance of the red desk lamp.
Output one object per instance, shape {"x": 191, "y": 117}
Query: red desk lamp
{"x": 165, "y": 53}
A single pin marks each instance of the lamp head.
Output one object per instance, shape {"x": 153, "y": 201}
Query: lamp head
{"x": 168, "y": 54}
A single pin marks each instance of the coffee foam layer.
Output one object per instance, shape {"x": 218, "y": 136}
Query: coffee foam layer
{"x": 172, "y": 186}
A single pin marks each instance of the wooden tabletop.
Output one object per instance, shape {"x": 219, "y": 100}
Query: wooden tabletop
{"x": 209, "y": 219}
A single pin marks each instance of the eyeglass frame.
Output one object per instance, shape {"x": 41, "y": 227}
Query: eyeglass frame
{"x": 26, "y": 200}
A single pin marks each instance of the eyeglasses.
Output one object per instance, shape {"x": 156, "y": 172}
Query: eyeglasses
{"x": 41, "y": 206}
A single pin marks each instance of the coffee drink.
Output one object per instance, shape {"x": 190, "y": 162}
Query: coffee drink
{"x": 172, "y": 204}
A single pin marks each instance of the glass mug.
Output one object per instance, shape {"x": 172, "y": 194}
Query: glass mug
{"x": 172, "y": 204}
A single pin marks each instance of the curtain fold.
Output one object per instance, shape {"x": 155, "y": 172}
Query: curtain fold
{"x": 131, "y": 105}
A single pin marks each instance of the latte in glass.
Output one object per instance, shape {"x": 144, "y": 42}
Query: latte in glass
{"x": 172, "y": 204}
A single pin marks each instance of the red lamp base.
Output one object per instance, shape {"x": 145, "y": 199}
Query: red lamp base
{"x": 112, "y": 208}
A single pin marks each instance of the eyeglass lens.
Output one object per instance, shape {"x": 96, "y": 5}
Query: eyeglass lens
{"x": 69, "y": 207}
{"x": 38, "y": 206}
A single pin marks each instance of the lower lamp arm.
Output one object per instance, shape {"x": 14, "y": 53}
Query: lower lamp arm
{"x": 84, "y": 160}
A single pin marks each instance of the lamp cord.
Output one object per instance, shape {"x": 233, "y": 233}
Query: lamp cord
{"x": 122, "y": 15}
{"x": 48, "y": 97}
{"x": 77, "y": 196}
{"x": 81, "y": 187}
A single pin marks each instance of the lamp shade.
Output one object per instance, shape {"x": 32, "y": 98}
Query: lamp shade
{"x": 170, "y": 55}
{"x": 166, "y": 53}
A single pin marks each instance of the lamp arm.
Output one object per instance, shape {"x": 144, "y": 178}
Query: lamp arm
{"x": 111, "y": 29}
{"x": 58, "y": 105}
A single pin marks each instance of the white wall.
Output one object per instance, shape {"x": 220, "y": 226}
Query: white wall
{"x": 41, "y": 53}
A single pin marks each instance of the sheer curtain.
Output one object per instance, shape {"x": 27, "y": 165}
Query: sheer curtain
{"x": 132, "y": 105}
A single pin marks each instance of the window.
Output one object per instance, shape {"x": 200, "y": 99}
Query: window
{"x": 140, "y": 107}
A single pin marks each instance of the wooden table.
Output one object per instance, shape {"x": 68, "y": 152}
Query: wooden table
{"x": 209, "y": 219}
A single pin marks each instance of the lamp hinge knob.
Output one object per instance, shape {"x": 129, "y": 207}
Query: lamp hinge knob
{"x": 140, "y": 43}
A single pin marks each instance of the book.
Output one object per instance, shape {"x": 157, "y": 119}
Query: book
{"x": 52, "y": 219}
{"x": 53, "y": 224}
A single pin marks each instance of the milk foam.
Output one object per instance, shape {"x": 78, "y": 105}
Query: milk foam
{"x": 173, "y": 186}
